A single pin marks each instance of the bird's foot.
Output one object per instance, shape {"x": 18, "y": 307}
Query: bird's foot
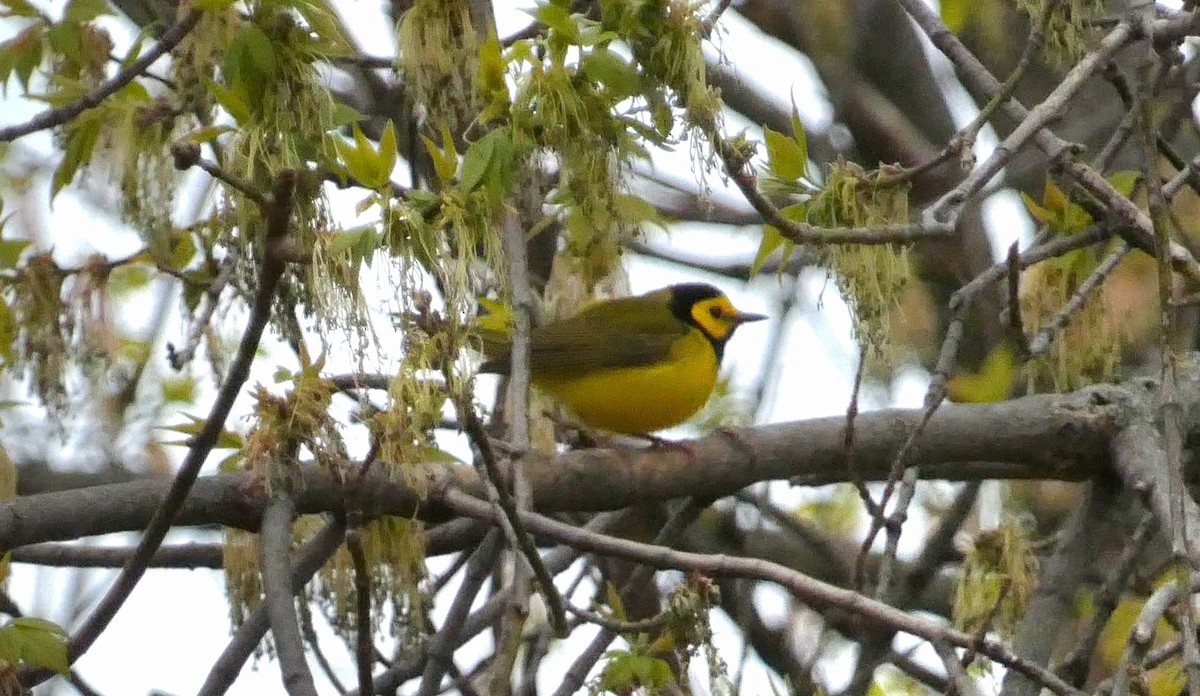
{"x": 661, "y": 444}
{"x": 739, "y": 442}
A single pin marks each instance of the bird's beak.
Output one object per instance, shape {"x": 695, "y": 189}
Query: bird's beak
{"x": 747, "y": 317}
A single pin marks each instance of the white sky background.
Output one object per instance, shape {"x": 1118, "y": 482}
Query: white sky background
{"x": 175, "y": 624}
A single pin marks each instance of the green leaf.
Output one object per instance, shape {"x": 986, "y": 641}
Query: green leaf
{"x": 81, "y": 140}
{"x": 366, "y": 164}
{"x": 207, "y": 134}
{"x": 10, "y": 645}
{"x": 323, "y": 20}
{"x": 785, "y": 156}
{"x": 10, "y": 251}
{"x": 8, "y": 332}
{"x": 22, "y": 55}
{"x": 1125, "y": 181}
{"x": 660, "y": 673}
{"x": 42, "y": 643}
{"x": 771, "y": 240}
{"x": 36, "y": 624}
{"x": 129, "y": 277}
{"x": 18, "y": 8}
{"x": 360, "y": 159}
{"x": 635, "y": 210}
{"x": 387, "y": 152}
{"x": 136, "y": 49}
{"x": 232, "y": 99}
{"x": 84, "y": 11}
{"x": 801, "y": 138}
{"x": 353, "y": 241}
{"x": 179, "y": 390}
{"x": 558, "y": 19}
{"x": 257, "y": 50}
{"x": 613, "y": 598}
{"x": 445, "y": 157}
{"x": 344, "y": 115}
{"x": 476, "y": 161}
{"x": 613, "y": 71}
{"x": 213, "y": 5}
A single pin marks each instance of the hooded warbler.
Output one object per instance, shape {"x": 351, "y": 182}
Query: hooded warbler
{"x": 634, "y": 365}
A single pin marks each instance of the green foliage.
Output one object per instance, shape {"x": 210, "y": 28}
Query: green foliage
{"x": 1066, "y": 24}
{"x": 627, "y": 670}
{"x": 685, "y": 632}
{"x": 787, "y": 175}
{"x": 369, "y": 165}
{"x": 1088, "y": 349}
{"x": 440, "y": 59}
{"x": 394, "y": 547}
{"x": 998, "y": 579}
{"x": 870, "y": 278}
{"x": 34, "y": 642}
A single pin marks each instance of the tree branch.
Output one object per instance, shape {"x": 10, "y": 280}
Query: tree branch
{"x": 275, "y": 546}
{"x": 272, "y": 270}
{"x": 60, "y": 115}
{"x": 803, "y": 587}
{"x": 311, "y": 558}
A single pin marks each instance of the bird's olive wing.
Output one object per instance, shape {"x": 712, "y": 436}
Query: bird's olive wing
{"x": 593, "y": 341}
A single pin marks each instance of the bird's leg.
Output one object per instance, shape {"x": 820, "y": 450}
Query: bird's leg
{"x": 661, "y": 444}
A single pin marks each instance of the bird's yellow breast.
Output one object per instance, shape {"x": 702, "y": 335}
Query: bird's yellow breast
{"x": 640, "y": 400}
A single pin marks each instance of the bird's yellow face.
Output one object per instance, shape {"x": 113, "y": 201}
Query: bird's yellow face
{"x": 717, "y": 317}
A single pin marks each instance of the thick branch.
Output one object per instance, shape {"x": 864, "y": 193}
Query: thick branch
{"x": 1056, "y": 437}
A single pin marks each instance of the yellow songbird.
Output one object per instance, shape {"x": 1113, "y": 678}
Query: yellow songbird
{"x": 637, "y": 364}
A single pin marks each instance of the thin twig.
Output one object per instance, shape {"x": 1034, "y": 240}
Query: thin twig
{"x": 710, "y": 22}
{"x": 443, "y": 643}
{"x": 364, "y": 645}
{"x": 62, "y": 114}
{"x": 310, "y": 638}
{"x": 272, "y": 270}
{"x": 517, "y": 420}
{"x": 1086, "y": 290}
{"x": 1016, "y": 324}
{"x": 618, "y": 626}
{"x": 802, "y": 586}
{"x": 201, "y": 320}
{"x": 314, "y": 554}
{"x": 517, "y": 536}
{"x": 959, "y": 679}
{"x": 804, "y": 233}
{"x": 679, "y": 521}
{"x": 187, "y": 155}
{"x": 70, "y": 555}
{"x": 275, "y": 545}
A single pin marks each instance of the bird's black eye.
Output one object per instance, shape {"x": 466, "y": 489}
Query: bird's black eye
{"x": 715, "y": 311}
